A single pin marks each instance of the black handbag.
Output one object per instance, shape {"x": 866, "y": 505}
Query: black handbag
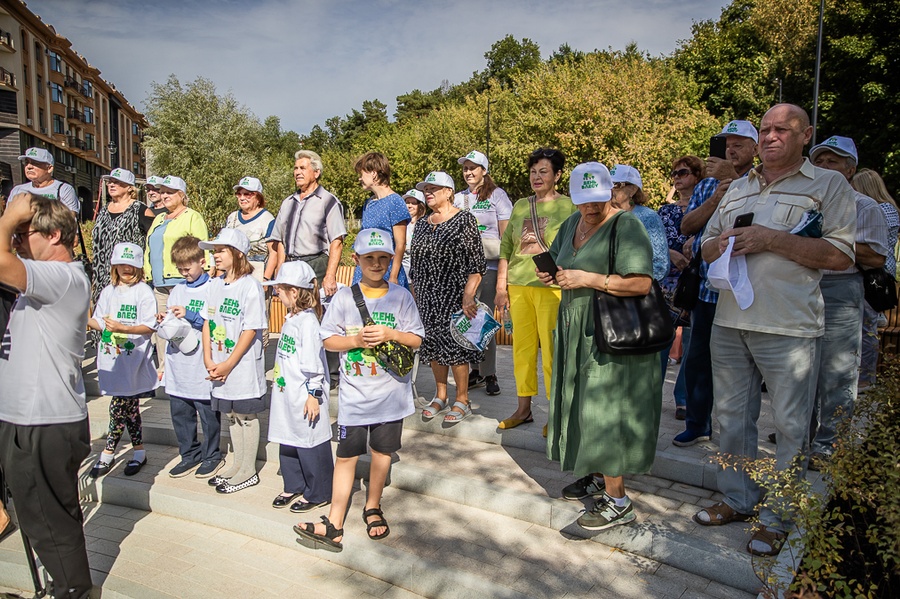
{"x": 880, "y": 289}
{"x": 393, "y": 356}
{"x": 633, "y": 325}
{"x": 687, "y": 289}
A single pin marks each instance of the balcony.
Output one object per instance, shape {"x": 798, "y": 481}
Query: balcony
{"x": 76, "y": 143}
{"x": 69, "y": 82}
{"x": 7, "y": 79}
{"x": 76, "y": 115}
{"x": 6, "y": 42}
{"x": 87, "y": 92}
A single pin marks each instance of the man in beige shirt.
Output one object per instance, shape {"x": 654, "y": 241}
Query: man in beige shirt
{"x": 777, "y": 336}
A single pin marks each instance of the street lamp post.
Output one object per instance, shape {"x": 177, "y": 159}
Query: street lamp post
{"x": 815, "y": 114}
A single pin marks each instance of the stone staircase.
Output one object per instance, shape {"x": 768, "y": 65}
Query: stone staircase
{"x": 474, "y": 512}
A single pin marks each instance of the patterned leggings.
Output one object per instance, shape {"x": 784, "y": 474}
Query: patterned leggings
{"x": 125, "y": 412}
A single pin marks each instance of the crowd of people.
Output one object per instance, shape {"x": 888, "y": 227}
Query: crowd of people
{"x": 790, "y": 233}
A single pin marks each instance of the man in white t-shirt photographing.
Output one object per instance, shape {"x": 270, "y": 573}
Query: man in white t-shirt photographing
{"x": 44, "y": 431}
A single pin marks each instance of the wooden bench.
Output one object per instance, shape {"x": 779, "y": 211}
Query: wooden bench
{"x": 345, "y": 275}
{"x": 890, "y": 334}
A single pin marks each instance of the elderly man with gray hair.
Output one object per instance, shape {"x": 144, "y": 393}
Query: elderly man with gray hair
{"x": 843, "y": 293}
{"x": 310, "y": 223}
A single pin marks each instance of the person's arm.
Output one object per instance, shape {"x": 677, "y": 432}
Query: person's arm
{"x": 810, "y": 252}
{"x": 12, "y": 269}
{"x": 399, "y": 231}
{"x": 501, "y": 299}
{"x": 195, "y": 319}
{"x": 694, "y": 220}
{"x": 94, "y": 325}
{"x": 469, "y": 304}
{"x": 114, "y": 326}
{"x": 376, "y": 334}
{"x": 271, "y": 260}
{"x": 329, "y": 283}
{"x": 613, "y": 284}
{"x": 207, "y": 347}
{"x": 866, "y": 256}
{"x": 220, "y": 371}
{"x": 339, "y": 343}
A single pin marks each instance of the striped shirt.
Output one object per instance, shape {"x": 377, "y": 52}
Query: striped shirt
{"x": 307, "y": 225}
{"x": 871, "y": 229}
{"x": 702, "y": 192}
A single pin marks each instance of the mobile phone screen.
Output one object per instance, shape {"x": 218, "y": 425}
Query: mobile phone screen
{"x": 717, "y": 147}
{"x": 743, "y": 220}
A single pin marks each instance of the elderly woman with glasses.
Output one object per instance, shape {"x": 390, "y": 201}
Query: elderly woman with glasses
{"x": 531, "y": 229}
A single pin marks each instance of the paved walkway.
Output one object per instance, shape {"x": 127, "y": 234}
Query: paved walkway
{"x": 470, "y": 507}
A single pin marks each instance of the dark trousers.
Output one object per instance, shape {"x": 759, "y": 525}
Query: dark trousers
{"x": 184, "y": 421}
{"x": 40, "y": 464}
{"x": 307, "y": 470}
{"x": 698, "y": 370}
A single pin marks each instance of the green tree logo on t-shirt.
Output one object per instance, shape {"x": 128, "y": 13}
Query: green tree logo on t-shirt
{"x": 279, "y": 380}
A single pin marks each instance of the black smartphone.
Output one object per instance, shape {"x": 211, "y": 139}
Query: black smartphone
{"x": 544, "y": 262}
{"x": 717, "y": 147}
{"x": 743, "y": 220}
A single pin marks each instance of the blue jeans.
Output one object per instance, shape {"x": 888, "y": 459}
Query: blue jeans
{"x": 680, "y": 392}
{"x": 839, "y": 356}
{"x": 741, "y": 359}
{"x": 698, "y": 374}
{"x": 184, "y": 420}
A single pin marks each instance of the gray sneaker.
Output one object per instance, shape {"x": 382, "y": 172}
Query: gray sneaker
{"x": 183, "y": 468}
{"x": 208, "y": 468}
{"x": 606, "y": 514}
{"x": 586, "y": 486}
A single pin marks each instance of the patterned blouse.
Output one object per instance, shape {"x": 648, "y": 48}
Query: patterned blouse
{"x": 671, "y": 215}
{"x": 110, "y": 229}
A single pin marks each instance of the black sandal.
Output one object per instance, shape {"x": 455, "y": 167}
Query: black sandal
{"x": 376, "y": 511}
{"x": 308, "y": 532}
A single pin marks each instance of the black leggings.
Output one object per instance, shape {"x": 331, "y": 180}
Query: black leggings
{"x": 125, "y": 412}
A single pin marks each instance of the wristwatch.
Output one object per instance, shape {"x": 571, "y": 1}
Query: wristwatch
{"x": 317, "y": 393}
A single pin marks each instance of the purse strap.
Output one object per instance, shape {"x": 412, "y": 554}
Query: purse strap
{"x": 361, "y": 305}
{"x": 532, "y": 202}
{"x": 612, "y": 245}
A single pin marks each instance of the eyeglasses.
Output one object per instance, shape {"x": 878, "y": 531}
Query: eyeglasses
{"x": 619, "y": 185}
{"x": 682, "y": 172}
{"x": 544, "y": 153}
{"x": 41, "y": 165}
{"x": 18, "y": 238}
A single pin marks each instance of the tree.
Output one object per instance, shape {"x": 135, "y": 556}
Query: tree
{"x": 509, "y": 57}
{"x": 212, "y": 141}
{"x": 417, "y": 104}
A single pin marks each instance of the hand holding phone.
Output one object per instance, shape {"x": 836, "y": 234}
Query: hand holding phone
{"x": 743, "y": 220}
{"x": 717, "y": 147}
{"x": 544, "y": 262}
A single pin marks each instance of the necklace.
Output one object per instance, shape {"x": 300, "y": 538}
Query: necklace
{"x": 583, "y": 232}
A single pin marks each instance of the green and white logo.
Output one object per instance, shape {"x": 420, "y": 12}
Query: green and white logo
{"x": 32, "y": 152}
{"x": 375, "y": 240}
{"x": 732, "y": 128}
{"x": 589, "y": 182}
{"x": 245, "y": 181}
{"x": 471, "y": 154}
{"x": 431, "y": 178}
{"x": 127, "y": 254}
{"x": 831, "y": 141}
{"x": 612, "y": 171}
{"x": 116, "y": 173}
{"x": 168, "y": 179}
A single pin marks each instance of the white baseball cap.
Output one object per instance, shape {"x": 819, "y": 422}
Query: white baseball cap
{"x": 296, "y": 274}
{"x": 439, "y": 178}
{"x": 476, "y": 157}
{"x": 173, "y": 182}
{"x": 373, "y": 240}
{"x": 415, "y": 194}
{"x": 590, "y": 182}
{"x": 250, "y": 184}
{"x": 153, "y": 181}
{"x": 128, "y": 253}
{"x": 622, "y": 173}
{"x": 121, "y": 175}
{"x": 179, "y": 332}
{"x": 230, "y": 237}
{"x": 38, "y": 155}
{"x": 842, "y": 146}
{"x": 742, "y": 128}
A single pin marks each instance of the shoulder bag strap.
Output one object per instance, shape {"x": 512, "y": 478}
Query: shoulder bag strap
{"x": 532, "y": 203}
{"x": 612, "y": 246}
{"x": 361, "y": 305}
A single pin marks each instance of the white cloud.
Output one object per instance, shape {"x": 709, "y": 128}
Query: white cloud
{"x": 306, "y": 61}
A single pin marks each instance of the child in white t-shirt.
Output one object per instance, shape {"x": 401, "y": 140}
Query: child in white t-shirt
{"x": 372, "y": 401}
{"x": 233, "y": 354}
{"x": 126, "y": 316}
{"x": 298, "y": 415}
{"x": 186, "y": 379}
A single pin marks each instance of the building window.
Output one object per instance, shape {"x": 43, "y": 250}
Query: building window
{"x": 136, "y": 168}
{"x": 87, "y": 89}
{"x": 59, "y": 124}
{"x": 88, "y": 115}
{"x": 37, "y": 48}
{"x": 25, "y": 75}
{"x": 55, "y": 62}
{"x": 135, "y": 148}
{"x": 56, "y": 93}
{"x": 41, "y": 120}
{"x": 88, "y": 141}
{"x": 135, "y": 130}
{"x": 24, "y": 42}
{"x": 40, "y": 84}
{"x": 28, "y": 109}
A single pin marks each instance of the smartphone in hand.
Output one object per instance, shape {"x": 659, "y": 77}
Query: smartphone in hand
{"x": 743, "y": 220}
{"x": 717, "y": 147}
{"x": 544, "y": 262}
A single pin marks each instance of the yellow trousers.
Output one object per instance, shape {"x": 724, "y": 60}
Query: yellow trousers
{"x": 533, "y": 311}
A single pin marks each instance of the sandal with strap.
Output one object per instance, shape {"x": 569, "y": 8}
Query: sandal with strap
{"x": 376, "y": 523}
{"x": 464, "y": 410}
{"x": 720, "y": 513}
{"x": 430, "y": 412}
{"x": 766, "y": 542}
{"x": 327, "y": 541}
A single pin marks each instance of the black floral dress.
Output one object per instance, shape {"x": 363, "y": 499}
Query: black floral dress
{"x": 442, "y": 257}
{"x": 110, "y": 229}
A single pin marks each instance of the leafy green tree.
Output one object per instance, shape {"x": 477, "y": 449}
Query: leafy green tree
{"x": 510, "y": 57}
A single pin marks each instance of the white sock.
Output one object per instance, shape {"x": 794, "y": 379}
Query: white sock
{"x": 106, "y": 458}
{"x": 620, "y": 501}
{"x": 140, "y": 454}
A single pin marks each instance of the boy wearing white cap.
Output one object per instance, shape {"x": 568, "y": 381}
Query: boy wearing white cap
{"x": 233, "y": 354}
{"x": 38, "y": 165}
{"x": 125, "y": 313}
{"x": 372, "y": 401}
{"x": 186, "y": 379}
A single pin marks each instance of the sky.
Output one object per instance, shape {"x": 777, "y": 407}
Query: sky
{"x": 308, "y": 60}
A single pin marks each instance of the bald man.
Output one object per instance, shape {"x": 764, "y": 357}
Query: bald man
{"x": 777, "y": 337}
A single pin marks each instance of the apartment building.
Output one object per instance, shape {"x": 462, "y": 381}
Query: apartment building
{"x": 52, "y": 97}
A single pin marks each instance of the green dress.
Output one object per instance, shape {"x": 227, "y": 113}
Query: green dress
{"x": 604, "y": 409}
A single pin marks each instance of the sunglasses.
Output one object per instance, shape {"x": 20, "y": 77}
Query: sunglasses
{"x": 18, "y": 238}
{"x": 682, "y": 172}
{"x": 542, "y": 153}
